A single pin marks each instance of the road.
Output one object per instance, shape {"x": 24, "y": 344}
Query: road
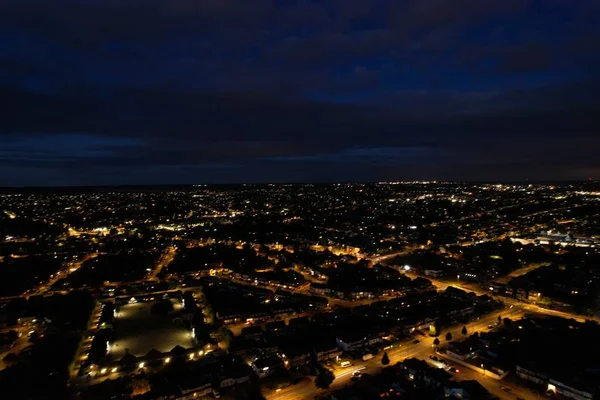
{"x": 377, "y": 259}
{"x": 519, "y": 272}
{"x": 423, "y": 349}
{"x": 525, "y": 307}
{"x": 165, "y": 259}
{"x": 408, "y": 349}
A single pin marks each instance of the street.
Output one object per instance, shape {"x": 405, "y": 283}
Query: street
{"x": 421, "y": 350}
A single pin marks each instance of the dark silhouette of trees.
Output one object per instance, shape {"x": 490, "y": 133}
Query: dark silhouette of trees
{"x": 163, "y": 307}
{"x": 385, "y": 360}
{"x": 324, "y": 378}
{"x": 448, "y": 336}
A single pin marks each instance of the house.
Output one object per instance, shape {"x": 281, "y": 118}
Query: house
{"x": 534, "y": 295}
{"x": 320, "y": 289}
{"x": 434, "y": 273}
{"x": 194, "y": 386}
{"x": 351, "y": 340}
{"x": 419, "y": 370}
{"x": 297, "y": 356}
{"x": 265, "y": 366}
{"x": 531, "y": 375}
{"x": 462, "y": 311}
{"x": 498, "y": 287}
{"x": 252, "y": 332}
{"x": 465, "y": 348}
{"x": 300, "y": 322}
{"x": 363, "y": 293}
{"x": 575, "y": 386}
{"x": 276, "y": 326}
{"x": 459, "y": 294}
{"x": 327, "y": 349}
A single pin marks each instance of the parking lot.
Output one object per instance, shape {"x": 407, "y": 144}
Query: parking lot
{"x": 138, "y": 331}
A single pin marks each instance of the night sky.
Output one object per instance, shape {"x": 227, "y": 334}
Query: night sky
{"x": 101, "y": 92}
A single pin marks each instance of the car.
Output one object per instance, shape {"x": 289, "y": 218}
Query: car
{"x": 433, "y": 357}
{"x": 416, "y": 341}
{"x": 490, "y": 326}
{"x": 356, "y": 375}
{"x": 453, "y": 370}
{"x": 506, "y": 389}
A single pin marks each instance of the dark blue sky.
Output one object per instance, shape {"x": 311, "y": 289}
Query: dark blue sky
{"x": 192, "y": 91}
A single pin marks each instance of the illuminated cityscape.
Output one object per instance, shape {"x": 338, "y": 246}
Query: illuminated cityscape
{"x": 301, "y": 291}
{"x": 299, "y": 200}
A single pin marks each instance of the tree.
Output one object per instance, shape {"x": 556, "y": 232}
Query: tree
{"x": 436, "y": 342}
{"x": 507, "y": 321}
{"x": 12, "y": 336}
{"x": 10, "y": 359}
{"x": 162, "y": 307}
{"x": 464, "y": 330}
{"x": 324, "y": 378}
{"x": 313, "y": 363}
{"x": 434, "y": 329}
{"x": 209, "y": 313}
{"x": 385, "y": 360}
{"x": 448, "y": 336}
{"x": 226, "y": 337}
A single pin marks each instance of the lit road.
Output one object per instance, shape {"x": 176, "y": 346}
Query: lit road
{"x": 525, "y": 307}
{"x": 65, "y": 271}
{"x": 408, "y": 349}
{"x": 165, "y": 259}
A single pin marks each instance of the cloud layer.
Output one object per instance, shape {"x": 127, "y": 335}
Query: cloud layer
{"x": 120, "y": 92}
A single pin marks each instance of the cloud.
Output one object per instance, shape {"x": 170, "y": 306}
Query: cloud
{"x": 226, "y": 89}
{"x": 59, "y": 147}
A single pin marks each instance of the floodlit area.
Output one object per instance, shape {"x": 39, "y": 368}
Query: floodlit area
{"x": 138, "y": 331}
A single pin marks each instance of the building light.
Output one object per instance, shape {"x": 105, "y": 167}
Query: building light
{"x": 167, "y": 360}
{"x": 114, "y": 370}
{"x": 141, "y": 365}
{"x": 103, "y": 371}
